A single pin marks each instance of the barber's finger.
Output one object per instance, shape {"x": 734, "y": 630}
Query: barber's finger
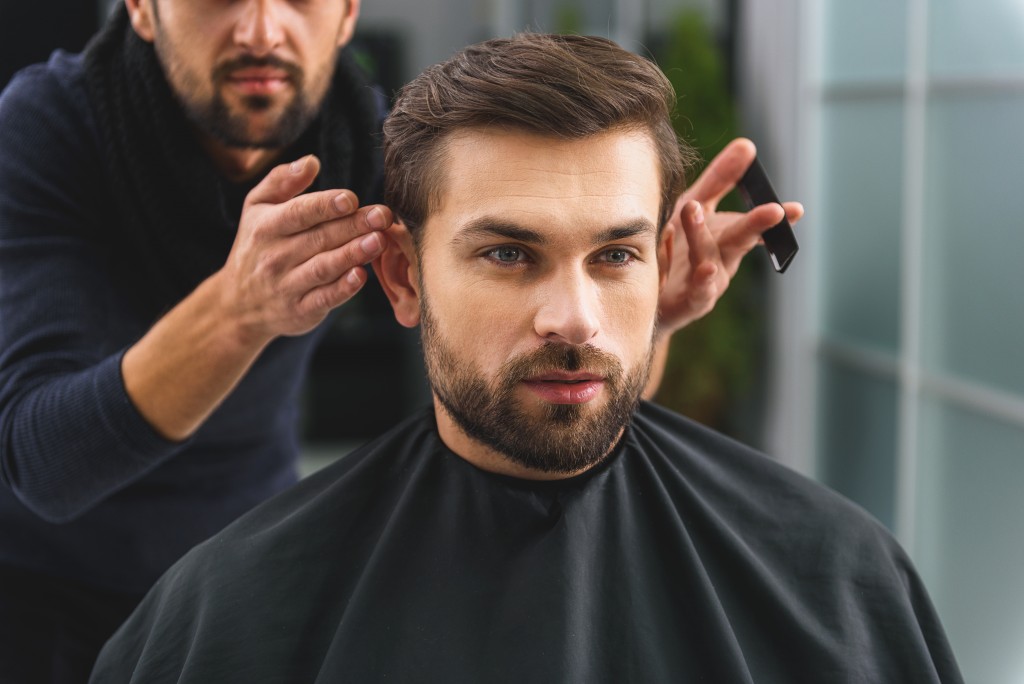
{"x": 306, "y": 211}
{"x": 285, "y": 181}
{"x": 327, "y": 267}
{"x": 700, "y": 243}
{"x": 338, "y": 232}
{"x": 722, "y": 174}
{"x": 292, "y": 212}
{"x": 794, "y": 211}
{"x": 694, "y": 297}
{"x": 322, "y": 299}
{"x": 743, "y": 235}
{"x": 765, "y": 216}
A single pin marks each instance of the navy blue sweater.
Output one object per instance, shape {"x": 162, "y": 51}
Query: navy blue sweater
{"x": 90, "y": 491}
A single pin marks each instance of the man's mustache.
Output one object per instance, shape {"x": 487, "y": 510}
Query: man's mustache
{"x": 560, "y": 357}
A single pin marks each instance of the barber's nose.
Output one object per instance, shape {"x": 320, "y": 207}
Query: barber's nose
{"x": 568, "y": 309}
{"x": 259, "y": 28}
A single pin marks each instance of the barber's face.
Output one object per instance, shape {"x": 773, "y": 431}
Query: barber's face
{"x": 250, "y": 73}
{"x": 539, "y": 280}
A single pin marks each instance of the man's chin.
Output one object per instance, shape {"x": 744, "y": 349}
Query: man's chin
{"x": 254, "y": 122}
{"x": 560, "y": 438}
{"x": 556, "y": 448}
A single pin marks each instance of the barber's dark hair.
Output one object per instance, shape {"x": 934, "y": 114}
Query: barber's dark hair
{"x": 565, "y": 86}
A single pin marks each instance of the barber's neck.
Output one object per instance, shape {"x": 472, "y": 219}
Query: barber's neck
{"x": 238, "y": 164}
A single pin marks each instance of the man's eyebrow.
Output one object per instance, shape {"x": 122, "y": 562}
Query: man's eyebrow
{"x": 638, "y": 226}
{"x": 491, "y": 228}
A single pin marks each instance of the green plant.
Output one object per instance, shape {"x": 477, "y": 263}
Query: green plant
{"x": 713, "y": 371}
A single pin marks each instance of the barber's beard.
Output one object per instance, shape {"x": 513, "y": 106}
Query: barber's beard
{"x": 231, "y": 124}
{"x": 559, "y": 438}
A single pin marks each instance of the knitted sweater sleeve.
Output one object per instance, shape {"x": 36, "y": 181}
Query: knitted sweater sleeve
{"x": 69, "y": 435}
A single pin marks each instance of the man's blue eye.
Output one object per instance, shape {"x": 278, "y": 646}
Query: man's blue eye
{"x": 618, "y": 256}
{"x": 507, "y": 254}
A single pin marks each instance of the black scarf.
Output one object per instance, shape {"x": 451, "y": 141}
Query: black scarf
{"x": 174, "y": 216}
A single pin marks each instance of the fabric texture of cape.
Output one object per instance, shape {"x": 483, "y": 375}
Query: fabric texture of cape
{"x": 684, "y": 557}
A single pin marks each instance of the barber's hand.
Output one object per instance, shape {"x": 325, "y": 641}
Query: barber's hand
{"x": 710, "y": 244}
{"x": 296, "y": 257}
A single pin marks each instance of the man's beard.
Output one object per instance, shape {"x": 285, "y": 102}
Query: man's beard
{"x": 563, "y": 438}
{"x": 214, "y": 117}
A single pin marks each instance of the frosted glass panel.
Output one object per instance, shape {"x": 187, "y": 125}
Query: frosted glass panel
{"x": 864, "y": 41}
{"x": 976, "y": 37}
{"x": 857, "y": 437}
{"x": 859, "y": 221}
{"x": 970, "y": 541}
{"x": 973, "y": 292}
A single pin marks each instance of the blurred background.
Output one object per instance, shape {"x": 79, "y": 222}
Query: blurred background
{"x": 886, "y": 361}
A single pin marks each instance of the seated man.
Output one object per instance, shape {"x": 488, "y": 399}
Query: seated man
{"x": 539, "y": 522}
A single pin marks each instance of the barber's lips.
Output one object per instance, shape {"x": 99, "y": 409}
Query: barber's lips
{"x": 264, "y": 81}
{"x": 565, "y": 388}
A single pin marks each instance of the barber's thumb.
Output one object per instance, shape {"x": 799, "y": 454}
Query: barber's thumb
{"x": 286, "y": 180}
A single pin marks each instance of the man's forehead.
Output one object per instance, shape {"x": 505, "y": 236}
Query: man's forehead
{"x": 497, "y": 177}
{"x": 498, "y": 151}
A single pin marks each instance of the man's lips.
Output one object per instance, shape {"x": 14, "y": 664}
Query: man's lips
{"x": 561, "y": 387}
{"x": 258, "y": 80}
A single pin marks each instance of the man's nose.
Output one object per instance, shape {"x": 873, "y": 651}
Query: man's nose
{"x": 259, "y": 27}
{"x": 568, "y": 308}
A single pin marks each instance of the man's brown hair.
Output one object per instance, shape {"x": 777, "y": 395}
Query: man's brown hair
{"x": 564, "y": 86}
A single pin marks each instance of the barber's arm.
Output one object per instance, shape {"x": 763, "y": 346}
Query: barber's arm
{"x": 295, "y": 258}
{"x": 70, "y": 433}
{"x": 709, "y": 245}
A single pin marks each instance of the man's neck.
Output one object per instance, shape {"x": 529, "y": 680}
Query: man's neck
{"x": 238, "y": 164}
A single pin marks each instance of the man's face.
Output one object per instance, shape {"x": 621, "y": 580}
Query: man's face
{"x": 249, "y": 73}
{"x": 539, "y": 278}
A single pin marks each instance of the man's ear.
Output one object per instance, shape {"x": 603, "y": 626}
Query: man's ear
{"x": 397, "y": 269}
{"x": 665, "y": 253}
{"x": 140, "y": 12}
{"x": 348, "y": 22}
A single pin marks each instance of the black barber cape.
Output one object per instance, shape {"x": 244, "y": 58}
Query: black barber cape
{"x": 685, "y": 557}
